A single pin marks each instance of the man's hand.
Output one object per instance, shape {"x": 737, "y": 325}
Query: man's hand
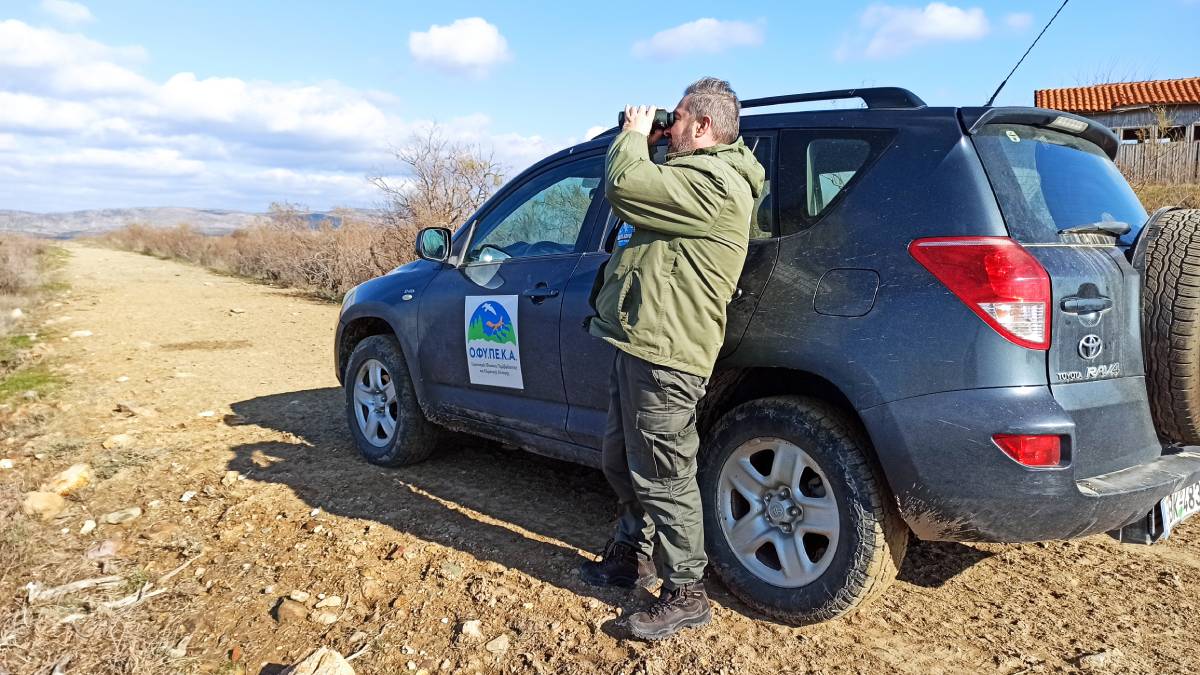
{"x": 639, "y": 118}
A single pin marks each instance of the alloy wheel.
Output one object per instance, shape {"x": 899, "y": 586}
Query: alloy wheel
{"x": 375, "y": 405}
{"x": 777, "y": 512}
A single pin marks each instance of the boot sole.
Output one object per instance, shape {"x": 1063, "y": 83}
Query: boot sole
{"x": 694, "y": 622}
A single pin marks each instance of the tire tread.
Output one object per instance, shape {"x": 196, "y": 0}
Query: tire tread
{"x": 1171, "y": 332}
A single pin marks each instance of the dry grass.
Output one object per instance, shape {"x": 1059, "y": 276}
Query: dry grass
{"x": 1156, "y": 196}
{"x": 284, "y": 250}
{"x": 34, "y": 636}
{"x": 24, "y": 266}
{"x": 20, "y": 266}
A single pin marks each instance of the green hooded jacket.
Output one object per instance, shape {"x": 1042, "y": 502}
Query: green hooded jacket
{"x": 662, "y": 295}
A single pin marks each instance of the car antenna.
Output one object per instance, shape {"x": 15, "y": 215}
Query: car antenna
{"x": 1035, "y": 41}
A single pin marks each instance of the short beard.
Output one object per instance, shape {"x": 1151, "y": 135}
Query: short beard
{"x": 680, "y": 144}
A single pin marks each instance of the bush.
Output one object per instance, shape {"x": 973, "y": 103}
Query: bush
{"x": 283, "y": 249}
{"x": 20, "y": 266}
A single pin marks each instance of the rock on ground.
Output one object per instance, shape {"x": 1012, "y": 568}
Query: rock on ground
{"x": 122, "y": 516}
{"x": 44, "y": 505}
{"x": 323, "y": 661}
{"x": 117, "y": 442}
{"x": 69, "y": 480}
{"x": 472, "y": 630}
{"x": 498, "y": 646}
{"x": 290, "y": 611}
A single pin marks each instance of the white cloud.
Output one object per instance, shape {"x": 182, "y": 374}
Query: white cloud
{"x": 887, "y": 31}
{"x": 151, "y": 162}
{"x": 67, "y": 12}
{"x": 705, "y": 36}
{"x": 472, "y": 46}
{"x": 1019, "y": 21}
{"x": 81, "y": 127}
{"x": 593, "y": 132}
{"x": 43, "y": 60}
{"x": 33, "y": 113}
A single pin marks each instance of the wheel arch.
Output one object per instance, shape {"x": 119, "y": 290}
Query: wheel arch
{"x": 732, "y": 387}
{"x": 354, "y": 332}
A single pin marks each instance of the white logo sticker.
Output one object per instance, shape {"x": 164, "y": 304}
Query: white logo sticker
{"x": 493, "y": 352}
{"x": 1012, "y": 136}
{"x": 624, "y": 235}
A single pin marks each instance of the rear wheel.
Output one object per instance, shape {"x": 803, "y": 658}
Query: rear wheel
{"x": 381, "y": 406}
{"x": 1171, "y": 324}
{"x": 798, "y": 522}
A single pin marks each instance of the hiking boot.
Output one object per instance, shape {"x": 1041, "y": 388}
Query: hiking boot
{"x": 621, "y": 565}
{"x": 683, "y": 607}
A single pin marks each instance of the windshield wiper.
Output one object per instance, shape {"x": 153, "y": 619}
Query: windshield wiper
{"x": 1113, "y": 227}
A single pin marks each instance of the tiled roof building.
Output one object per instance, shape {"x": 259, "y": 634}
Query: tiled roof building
{"x": 1156, "y": 110}
{"x": 1110, "y": 97}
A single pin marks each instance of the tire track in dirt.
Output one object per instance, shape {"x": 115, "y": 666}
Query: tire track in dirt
{"x": 480, "y": 533}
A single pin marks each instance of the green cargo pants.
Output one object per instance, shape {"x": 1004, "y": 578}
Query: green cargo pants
{"x": 650, "y": 446}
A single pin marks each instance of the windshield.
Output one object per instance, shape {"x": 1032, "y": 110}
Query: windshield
{"x": 1047, "y": 181}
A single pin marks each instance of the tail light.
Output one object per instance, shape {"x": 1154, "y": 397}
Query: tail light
{"x": 1037, "y": 451}
{"x": 997, "y": 279}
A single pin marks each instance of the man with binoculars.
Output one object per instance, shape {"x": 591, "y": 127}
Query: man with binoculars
{"x": 660, "y": 300}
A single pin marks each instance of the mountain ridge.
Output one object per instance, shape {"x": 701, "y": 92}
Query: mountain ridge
{"x": 70, "y": 224}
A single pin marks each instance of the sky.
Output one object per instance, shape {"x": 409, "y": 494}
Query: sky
{"x": 234, "y": 105}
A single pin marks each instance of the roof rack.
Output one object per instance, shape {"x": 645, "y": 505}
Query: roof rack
{"x": 874, "y": 97}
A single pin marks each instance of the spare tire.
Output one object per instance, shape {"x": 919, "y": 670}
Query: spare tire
{"x": 1171, "y": 322}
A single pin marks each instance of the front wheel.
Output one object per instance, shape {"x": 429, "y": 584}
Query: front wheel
{"x": 798, "y": 521}
{"x": 381, "y": 406}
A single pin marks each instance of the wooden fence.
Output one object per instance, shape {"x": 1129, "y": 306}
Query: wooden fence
{"x": 1160, "y": 163}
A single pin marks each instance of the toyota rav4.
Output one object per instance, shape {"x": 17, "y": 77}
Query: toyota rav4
{"x": 938, "y": 332}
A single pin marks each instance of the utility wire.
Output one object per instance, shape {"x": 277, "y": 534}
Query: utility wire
{"x": 1035, "y": 41}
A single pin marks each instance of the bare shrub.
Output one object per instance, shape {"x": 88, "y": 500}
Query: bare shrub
{"x": 328, "y": 258}
{"x": 449, "y": 181}
{"x": 19, "y": 265}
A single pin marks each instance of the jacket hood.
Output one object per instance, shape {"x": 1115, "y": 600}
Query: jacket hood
{"x": 740, "y": 158}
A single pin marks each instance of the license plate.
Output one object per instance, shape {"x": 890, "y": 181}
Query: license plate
{"x": 1178, "y": 506}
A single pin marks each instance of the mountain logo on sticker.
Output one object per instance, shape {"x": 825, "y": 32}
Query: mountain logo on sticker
{"x": 489, "y": 322}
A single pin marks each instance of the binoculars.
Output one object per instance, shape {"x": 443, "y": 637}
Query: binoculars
{"x": 662, "y": 118}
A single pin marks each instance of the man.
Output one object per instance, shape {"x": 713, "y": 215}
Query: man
{"x": 661, "y": 302}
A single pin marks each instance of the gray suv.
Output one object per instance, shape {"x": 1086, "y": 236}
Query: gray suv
{"x": 938, "y": 332}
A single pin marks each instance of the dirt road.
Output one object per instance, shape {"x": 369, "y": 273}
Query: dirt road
{"x": 225, "y": 376}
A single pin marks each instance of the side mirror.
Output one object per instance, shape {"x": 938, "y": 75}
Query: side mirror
{"x": 433, "y": 243}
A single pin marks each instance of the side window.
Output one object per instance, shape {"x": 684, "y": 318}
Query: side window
{"x": 817, "y": 166}
{"x": 543, "y": 217}
{"x": 762, "y": 220}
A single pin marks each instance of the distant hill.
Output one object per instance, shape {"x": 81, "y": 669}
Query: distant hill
{"x": 80, "y": 223}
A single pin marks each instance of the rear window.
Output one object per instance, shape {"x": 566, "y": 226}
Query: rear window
{"x": 1047, "y": 181}
{"x": 817, "y": 166}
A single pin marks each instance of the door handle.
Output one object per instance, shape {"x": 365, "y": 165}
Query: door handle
{"x": 539, "y": 294}
{"x": 1086, "y": 305}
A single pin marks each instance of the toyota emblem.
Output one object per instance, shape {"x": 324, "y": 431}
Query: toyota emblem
{"x": 1090, "y": 346}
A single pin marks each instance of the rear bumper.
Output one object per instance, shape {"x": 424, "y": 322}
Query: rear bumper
{"x": 952, "y": 483}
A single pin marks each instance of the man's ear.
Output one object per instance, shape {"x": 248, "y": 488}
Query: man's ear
{"x": 704, "y": 126}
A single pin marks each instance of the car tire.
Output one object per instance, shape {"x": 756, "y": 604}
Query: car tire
{"x": 1171, "y": 325}
{"x": 382, "y": 411}
{"x": 837, "y": 492}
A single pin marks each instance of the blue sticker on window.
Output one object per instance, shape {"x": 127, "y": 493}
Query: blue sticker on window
{"x": 624, "y": 234}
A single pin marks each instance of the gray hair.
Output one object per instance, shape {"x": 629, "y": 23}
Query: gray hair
{"x": 714, "y": 98}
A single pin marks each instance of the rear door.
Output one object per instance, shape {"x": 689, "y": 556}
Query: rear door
{"x": 587, "y": 360}
{"x": 1066, "y": 202}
